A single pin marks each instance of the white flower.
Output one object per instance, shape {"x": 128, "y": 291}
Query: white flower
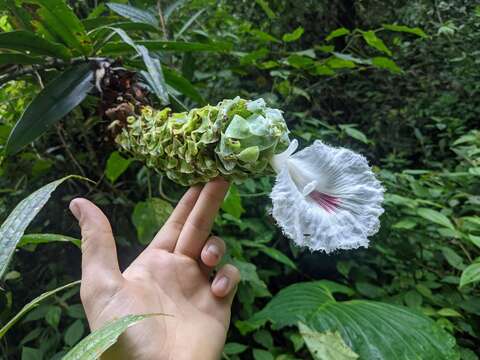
{"x": 326, "y": 198}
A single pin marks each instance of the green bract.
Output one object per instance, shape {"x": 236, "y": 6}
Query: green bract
{"x": 235, "y": 139}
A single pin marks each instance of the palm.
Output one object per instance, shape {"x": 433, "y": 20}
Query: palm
{"x": 171, "y": 281}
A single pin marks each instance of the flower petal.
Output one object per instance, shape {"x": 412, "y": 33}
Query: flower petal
{"x": 326, "y": 198}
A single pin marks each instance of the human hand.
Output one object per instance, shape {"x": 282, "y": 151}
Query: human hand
{"x": 171, "y": 276}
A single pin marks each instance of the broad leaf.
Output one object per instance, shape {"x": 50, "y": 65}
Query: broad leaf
{"x": 14, "y": 226}
{"x": 116, "y": 166}
{"x": 149, "y": 216}
{"x": 435, "y": 217}
{"x": 95, "y": 344}
{"x": 371, "y": 329}
{"x": 295, "y": 35}
{"x": 337, "y": 33}
{"x": 375, "y": 42}
{"x": 382, "y": 62}
{"x": 117, "y": 48}
{"x": 36, "y": 239}
{"x": 470, "y": 275}
{"x": 133, "y": 13}
{"x": 232, "y": 204}
{"x": 32, "y": 304}
{"x": 33, "y": 44}
{"x": 326, "y": 346}
{"x": 60, "y": 18}
{"x": 56, "y": 100}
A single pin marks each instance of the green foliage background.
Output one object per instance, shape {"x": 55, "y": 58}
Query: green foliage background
{"x": 408, "y": 100}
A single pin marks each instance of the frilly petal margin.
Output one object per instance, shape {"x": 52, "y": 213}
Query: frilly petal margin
{"x": 326, "y": 198}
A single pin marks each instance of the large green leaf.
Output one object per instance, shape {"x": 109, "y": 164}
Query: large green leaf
{"x": 60, "y": 19}
{"x": 95, "y": 344}
{"x": 374, "y": 41}
{"x": 436, "y": 217}
{"x": 133, "y": 13}
{"x": 32, "y": 304}
{"x": 14, "y": 226}
{"x": 116, "y": 48}
{"x": 326, "y": 346}
{"x": 35, "y": 45}
{"x": 470, "y": 275}
{"x": 373, "y": 330}
{"x": 116, "y": 166}
{"x": 56, "y": 100}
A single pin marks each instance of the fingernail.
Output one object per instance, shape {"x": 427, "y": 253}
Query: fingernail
{"x": 75, "y": 209}
{"x": 221, "y": 284}
{"x": 213, "y": 251}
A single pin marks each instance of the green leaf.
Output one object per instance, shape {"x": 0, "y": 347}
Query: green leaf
{"x": 14, "y": 226}
{"x": 232, "y": 204}
{"x": 382, "y": 62}
{"x": 279, "y": 256}
{"x": 134, "y": 14}
{"x": 29, "y": 353}
{"x": 354, "y": 133}
{"x": 32, "y": 304}
{"x": 447, "y": 312}
{"x": 74, "y": 333}
{"x": 95, "y": 344}
{"x": 470, "y": 275}
{"x": 371, "y": 329}
{"x": 337, "y": 33}
{"x": 53, "y": 315}
{"x": 60, "y": 18}
{"x": 56, "y": 100}
{"x": 453, "y": 258}
{"x": 327, "y": 345}
{"x": 259, "y": 354}
{"x": 117, "y": 48}
{"x": 406, "y": 224}
{"x": 179, "y": 83}
{"x": 402, "y": 28}
{"x": 116, "y": 166}
{"x": 264, "y": 36}
{"x": 19, "y": 59}
{"x": 435, "y": 217}
{"x": 33, "y": 44}
{"x": 266, "y": 8}
{"x": 47, "y": 238}
{"x": 375, "y": 42}
{"x": 295, "y": 35}
{"x": 149, "y": 216}
{"x": 475, "y": 240}
{"x": 232, "y": 348}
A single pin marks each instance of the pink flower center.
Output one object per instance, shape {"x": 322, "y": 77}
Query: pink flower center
{"x": 327, "y": 202}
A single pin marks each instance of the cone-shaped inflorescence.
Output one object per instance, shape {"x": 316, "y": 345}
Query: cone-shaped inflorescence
{"x": 235, "y": 139}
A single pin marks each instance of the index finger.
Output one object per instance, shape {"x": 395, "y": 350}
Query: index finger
{"x": 199, "y": 223}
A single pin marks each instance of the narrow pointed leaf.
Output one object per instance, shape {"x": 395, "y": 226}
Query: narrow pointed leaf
{"x": 58, "y": 98}
{"x": 134, "y": 14}
{"x": 27, "y": 41}
{"x": 435, "y": 217}
{"x": 179, "y": 83}
{"x": 60, "y": 19}
{"x": 32, "y": 304}
{"x": 36, "y": 239}
{"x": 116, "y": 48}
{"x": 402, "y": 28}
{"x": 19, "y": 59}
{"x": 470, "y": 275}
{"x": 95, "y": 344}
{"x": 14, "y": 226}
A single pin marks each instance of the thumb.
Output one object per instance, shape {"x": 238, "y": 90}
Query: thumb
{"x": 100, "y": 268}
